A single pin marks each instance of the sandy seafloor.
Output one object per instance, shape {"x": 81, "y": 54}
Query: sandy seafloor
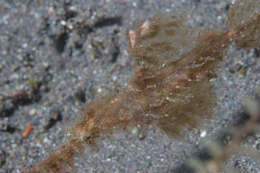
{"x": 77, "y": 50}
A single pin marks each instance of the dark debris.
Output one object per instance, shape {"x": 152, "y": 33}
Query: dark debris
{"x": 54, "y": 118}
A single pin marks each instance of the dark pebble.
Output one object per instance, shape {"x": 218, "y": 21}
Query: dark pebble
{"x": 80, "y": 95}
{"x": 2, "y": 158}
{"x": 6, "y": 107}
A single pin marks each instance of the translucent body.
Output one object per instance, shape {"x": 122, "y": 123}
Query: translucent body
{"x": 170, "y": 88}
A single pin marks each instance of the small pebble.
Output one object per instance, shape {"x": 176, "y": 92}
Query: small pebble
{"x": 4, "y": 124}
{"x": 99, "y": 90}
{"x": 46, "y": 140}
{"x": 33, "y": 112}
{"x": 63, "y": 22}
{"x": 203, "y": 133}
{"x": 14, "y": 76}
{"x": 135, "y": 131}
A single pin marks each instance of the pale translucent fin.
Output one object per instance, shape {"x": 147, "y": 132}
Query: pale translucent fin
{"x": 244, "y": 20}
{"x": 162, "y": 39}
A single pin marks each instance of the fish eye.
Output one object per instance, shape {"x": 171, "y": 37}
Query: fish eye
{"x": 87, "y": 138}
